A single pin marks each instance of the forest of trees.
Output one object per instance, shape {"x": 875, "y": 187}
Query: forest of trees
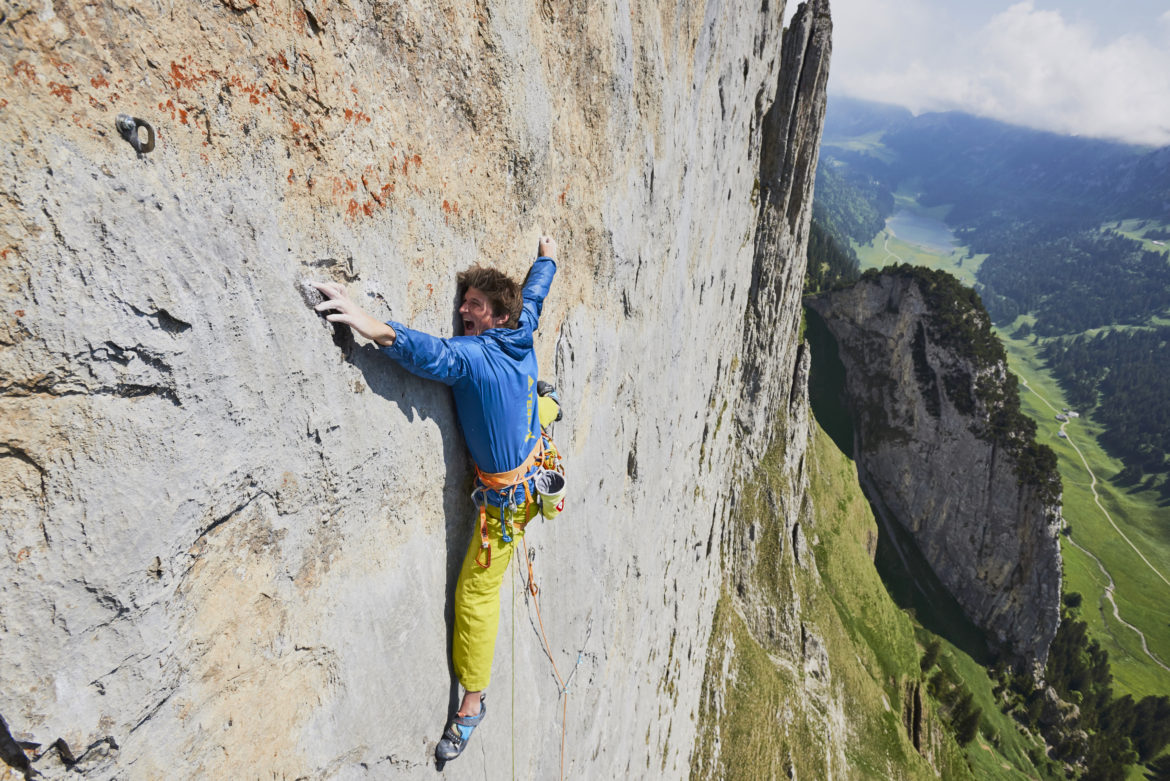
{"x": 830, "y": 264}
{"x": 1123, "y": 377}
{"x": 850, "y": 204}
{"x": 1076, "y": 282}
{"x": 1109, "y": 734}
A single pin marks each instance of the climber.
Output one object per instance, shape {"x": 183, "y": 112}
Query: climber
{"x": 492, "y": 372}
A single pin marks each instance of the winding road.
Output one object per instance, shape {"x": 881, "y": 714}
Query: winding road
{"x": 886, "y": 247}
{"x": 1097, "y": 499}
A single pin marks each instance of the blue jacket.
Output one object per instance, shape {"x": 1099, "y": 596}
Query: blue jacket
{"x": 493, "y": 377}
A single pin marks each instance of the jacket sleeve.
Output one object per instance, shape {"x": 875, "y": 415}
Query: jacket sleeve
{"x": 427, "y": 356}
{"x": 536, "y": 287}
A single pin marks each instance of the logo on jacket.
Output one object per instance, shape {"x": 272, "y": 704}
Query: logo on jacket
{"x": 531, "y": 403}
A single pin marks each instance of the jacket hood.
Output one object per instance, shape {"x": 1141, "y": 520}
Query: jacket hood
{"x": 515, "y": 342}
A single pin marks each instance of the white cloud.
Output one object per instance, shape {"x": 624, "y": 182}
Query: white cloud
{"x": 1023, "y": 65}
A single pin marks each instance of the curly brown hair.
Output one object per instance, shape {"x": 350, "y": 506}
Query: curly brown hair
{"x": 502, "y": 291}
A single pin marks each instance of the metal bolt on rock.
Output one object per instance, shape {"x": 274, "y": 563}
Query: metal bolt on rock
{"x": 128, "y": 127}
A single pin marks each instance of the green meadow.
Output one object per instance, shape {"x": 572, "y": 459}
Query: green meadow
{"x": 1137, "y": 229}
{"x": 870, "y": 143}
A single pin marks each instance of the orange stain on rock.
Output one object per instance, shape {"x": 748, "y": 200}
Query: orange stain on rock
{"x": 62, "y": 67}
{"x": 24, "y": 68}
{"x": 356, "y": 116}
{"x": 99, "y": 81}
{"x": 62, "y": 91}
{"x": 179, "y": 77}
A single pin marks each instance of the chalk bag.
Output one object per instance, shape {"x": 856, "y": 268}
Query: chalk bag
{"x": 551, "y": 487}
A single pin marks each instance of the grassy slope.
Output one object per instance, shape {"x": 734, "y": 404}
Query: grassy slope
{"x": 871, "y": 646}
{"x": 1001, "y": 750}
{"x": 1140, "y": 594}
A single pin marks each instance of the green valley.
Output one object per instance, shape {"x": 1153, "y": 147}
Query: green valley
{"x": 1140, "y": 586}
{"x": 1075, "y": 271}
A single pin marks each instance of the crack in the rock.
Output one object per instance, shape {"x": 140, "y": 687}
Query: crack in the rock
{"x": 394, "y": 761}
{"x": 150, "y": 714}
{"x": 12, "y": 751}
{"x": 239, "y": 508}
{"x": 97, "y": 682}
{"x": 52, "y": 387}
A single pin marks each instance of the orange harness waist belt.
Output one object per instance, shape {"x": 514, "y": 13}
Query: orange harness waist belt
{"x": 498, "y": 481}
{"x": 501, "y": 481}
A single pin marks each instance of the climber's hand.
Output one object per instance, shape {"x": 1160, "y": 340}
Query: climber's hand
{"x": 547, "y": 248}
{"x": 344, "y": 310}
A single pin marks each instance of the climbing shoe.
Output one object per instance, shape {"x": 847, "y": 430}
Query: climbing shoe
{"x": 458, "y": 732}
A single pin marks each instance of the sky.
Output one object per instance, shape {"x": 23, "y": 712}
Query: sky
{"x": 1097, "y": 69}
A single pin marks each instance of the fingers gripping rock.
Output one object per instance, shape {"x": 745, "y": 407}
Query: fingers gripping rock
{"x": 341, "y": 334}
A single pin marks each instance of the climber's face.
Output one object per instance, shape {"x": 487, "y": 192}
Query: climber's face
{"x": 477, "y": 314}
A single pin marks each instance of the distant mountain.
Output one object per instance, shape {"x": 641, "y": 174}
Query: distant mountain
{"x": 987, "y": 169}
{"x": 849, "y": 118}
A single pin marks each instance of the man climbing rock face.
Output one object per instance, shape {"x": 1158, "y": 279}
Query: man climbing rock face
{"x": 492, "y": 372}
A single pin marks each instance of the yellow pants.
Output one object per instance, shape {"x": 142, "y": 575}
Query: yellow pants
{"x": 477, "y": 602}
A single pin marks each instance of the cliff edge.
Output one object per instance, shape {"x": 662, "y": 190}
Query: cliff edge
{"x": 942, "y": 448}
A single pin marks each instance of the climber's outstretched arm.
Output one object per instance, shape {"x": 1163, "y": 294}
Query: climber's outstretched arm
{"x": 344, "y": 310}
{"x": 546, "y": 248}
{"x": 537, "y": 283}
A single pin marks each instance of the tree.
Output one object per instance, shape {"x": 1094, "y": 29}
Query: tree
{"x": 930, "y": 655}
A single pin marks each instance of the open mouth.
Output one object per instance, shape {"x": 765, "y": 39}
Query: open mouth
{"x": 468, "y": 328}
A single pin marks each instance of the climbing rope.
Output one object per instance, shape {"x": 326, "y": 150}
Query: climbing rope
{"x": 562, "y": 683}
{"x": 564, "y": 692}
{"x": 513, "y": 672}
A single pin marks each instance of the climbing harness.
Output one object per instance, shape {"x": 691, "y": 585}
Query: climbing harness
{"x": 548, "y": 478}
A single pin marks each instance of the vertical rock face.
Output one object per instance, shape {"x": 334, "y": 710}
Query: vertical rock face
{"x": 229, "y": 537}
{"x": 936, "y": 445}
{"x": 774, "y": 395}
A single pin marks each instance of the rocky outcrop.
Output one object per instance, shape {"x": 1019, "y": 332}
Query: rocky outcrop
{"x": 942, "y": 448}
{"x": 229, "y": 540}
{"x": 774, "y": 395}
